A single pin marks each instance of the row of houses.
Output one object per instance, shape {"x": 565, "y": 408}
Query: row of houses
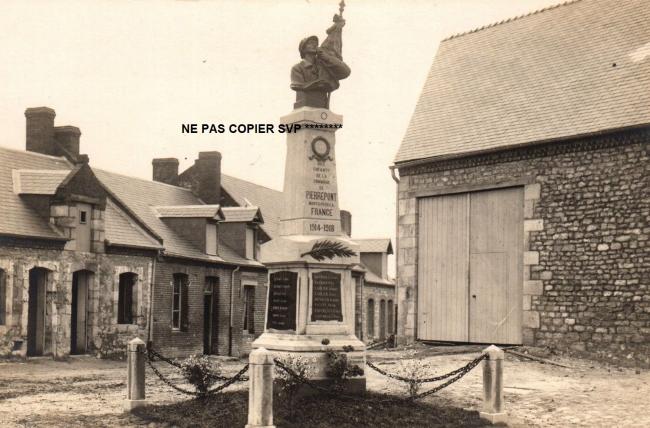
{"x": 90, "y": 258}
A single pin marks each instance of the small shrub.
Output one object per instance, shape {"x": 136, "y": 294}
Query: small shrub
{"x": 415, "y": 370}
{"x": 288, "y": 384}
{"x": 339, "y": 368}
{"x": 197, "y": 370}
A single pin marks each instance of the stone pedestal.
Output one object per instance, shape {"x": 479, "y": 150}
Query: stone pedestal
{"x": 311, "y": 301}
{"x": 493, "y": 409}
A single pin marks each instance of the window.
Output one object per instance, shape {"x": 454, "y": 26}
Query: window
{"x": 83, "y": 217}
{"x": 3, "y": 298}
{"x": 126, "y": 304}
{"x": 250, "y": 243}
{"x": 249, "y": 305}
{"x": 371, "y": 318}
{"x": 211, "y": 239}
{"x": 179, "y": 302}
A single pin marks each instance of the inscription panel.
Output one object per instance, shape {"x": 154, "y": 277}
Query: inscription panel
{"x": 326, "y": 297}
{"x": 281, "y": 314}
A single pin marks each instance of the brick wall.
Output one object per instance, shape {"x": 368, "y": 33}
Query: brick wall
{"x": 586, "y": 266}
{"x": 182, "y": 343}
{"x": 377, "y": 293}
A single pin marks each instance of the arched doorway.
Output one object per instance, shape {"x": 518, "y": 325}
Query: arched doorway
{"x": 36, "y": 311}
{"x": 79, "y": 311}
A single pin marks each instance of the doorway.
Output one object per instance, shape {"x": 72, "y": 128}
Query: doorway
{"x": 79, "y": 312}
{"x": 470, "y": 267}
{"x": 36, "y": 311}
{"x": 210, "y": 329}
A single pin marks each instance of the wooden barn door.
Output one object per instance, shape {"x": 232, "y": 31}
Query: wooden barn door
{"x": 470, "y": 267}
{"x": 442, "y": 268}
{"x": 495, "y": 266}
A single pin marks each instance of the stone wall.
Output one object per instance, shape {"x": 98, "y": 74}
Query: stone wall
{"x": 106, "y": 337}
{"x": 586, "y": 266}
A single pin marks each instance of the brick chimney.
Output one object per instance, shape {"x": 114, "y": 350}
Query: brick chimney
{"x": 68, "y": 139}
{"x": 165, "y": 170}
{"x": 346, "y": 222}
{"x": 40, "y": 130}
{"x": 207, "y": 176}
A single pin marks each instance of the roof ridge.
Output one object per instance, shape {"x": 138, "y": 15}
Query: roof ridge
{"x": 513, "y": 18}
{"x": 142, "y": 179}
{"x": 61, "y": 158}
{"x": 251, "y": 182}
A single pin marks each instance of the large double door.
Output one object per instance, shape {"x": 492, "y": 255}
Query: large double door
{"x": 470, "y": 267}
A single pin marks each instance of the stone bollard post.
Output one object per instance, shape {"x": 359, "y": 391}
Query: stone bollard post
{"x": 493, "y": 386}
{"x": 260, "y": 391}
{"x": 135, "y": 394}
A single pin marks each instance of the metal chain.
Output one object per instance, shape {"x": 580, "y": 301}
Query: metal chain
{"x": 425, "y": 380}
{"x": 458, "y": 374}
{"x": 468, "y": 368}
{"x": 211, "y": 375}
{"x": 228, "y": 381}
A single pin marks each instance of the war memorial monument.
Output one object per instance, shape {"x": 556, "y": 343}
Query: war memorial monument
{"x": 310, "y": 307}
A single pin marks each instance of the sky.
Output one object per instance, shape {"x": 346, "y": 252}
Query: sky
{"x": 130, "y": 73}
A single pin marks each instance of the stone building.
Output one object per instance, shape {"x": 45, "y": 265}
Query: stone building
{"x": 376, "y": 308}
{"x": 523, "y": 199}
{"x": 89, "y": 258}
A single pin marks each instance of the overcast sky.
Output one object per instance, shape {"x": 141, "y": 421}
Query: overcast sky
{"x": 129, "y": 73}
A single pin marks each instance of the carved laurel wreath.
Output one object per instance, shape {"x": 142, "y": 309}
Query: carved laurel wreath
{"x": 328, "y": 250}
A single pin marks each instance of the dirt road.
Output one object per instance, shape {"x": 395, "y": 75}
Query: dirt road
{"x": 85, "y": 391}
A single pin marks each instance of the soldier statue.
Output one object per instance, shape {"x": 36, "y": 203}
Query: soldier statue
{"x": 321, "y": 68}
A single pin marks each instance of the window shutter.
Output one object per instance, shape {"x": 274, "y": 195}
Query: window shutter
{"x": 128, "y": 300}
{"x": 184, "y": 306}
{"x": 120, "y": 302}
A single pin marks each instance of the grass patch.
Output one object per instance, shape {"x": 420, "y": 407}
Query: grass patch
{"x": 230, "y": 409}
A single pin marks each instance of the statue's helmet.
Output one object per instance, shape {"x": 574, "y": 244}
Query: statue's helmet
{"x": 303, "y": 44}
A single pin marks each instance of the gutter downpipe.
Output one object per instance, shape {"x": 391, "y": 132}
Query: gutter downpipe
{"x": 232, "y": 295}
{"x": 396, "y": 180}
{"x": 151, "y": 293}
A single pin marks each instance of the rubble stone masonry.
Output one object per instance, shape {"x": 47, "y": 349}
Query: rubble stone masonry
{"x": 586, "y": 228}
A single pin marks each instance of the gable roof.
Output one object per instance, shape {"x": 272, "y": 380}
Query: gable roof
{"x": 246, "y": 193}
{"x": 190, "y": 211}
{"x": 38, "y": 181}
{"x": 382, "y": 245}
{"x": 576, "y": 69}
{"x": 131, "y": 219}
{"x": 242, "y": 214}
{"x": 143, "y": 196}
{"x": 16, "y": 216}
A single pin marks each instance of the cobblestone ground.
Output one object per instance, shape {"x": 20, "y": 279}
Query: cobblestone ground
{"x": 88, "y": 392}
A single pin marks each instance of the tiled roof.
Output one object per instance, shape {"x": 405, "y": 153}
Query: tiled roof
{"x": 576, "y": 69}
{"x": 242, "y": 214}
{"x": 375, "y": 245}
{"x": 37, "y": 181}
{"x": 268, "y": 200}
{"x": 16, "y": 217}
{"x": 189, "y": 211}
{"x": 123, "y": 231}
{"x": 142, "y": 196}
{"x": 372, "y": 278}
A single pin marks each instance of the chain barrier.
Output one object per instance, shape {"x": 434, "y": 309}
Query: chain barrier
{"x": 429, "y": 379}
{"x": 457, "y": 375}
{"x": 152, "y": 355}
{"x": 463, "y": 371}
{"x": 376, "y": 345}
